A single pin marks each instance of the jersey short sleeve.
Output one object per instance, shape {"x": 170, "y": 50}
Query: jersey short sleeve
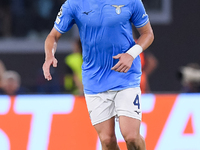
{"x": 64, "y": 20}
{"x": 139, "y": 17}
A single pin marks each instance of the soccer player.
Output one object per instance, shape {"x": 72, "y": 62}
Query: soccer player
{"x": 111, "y": 68}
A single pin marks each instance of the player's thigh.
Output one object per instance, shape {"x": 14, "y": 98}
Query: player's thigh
{"x": 106, "y": 129}
{"x": 129, "y": 127}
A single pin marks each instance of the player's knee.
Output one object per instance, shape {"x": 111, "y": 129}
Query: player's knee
{"x": 108, "y": 141}
{"x": 133, "y": 141}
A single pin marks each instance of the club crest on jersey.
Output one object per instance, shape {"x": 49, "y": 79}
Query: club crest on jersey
{"x": 118, "y": 8}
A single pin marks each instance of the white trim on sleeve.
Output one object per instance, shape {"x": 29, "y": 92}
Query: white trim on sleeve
{"x": 139, "y": 26}
{"x": 58, "y": 29}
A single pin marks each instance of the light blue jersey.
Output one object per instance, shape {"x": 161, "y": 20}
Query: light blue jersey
{"x": 105, "y": 31}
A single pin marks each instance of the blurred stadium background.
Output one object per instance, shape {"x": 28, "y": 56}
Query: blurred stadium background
{"x": 175, "y": 24}
{"x": 24, "y": 25}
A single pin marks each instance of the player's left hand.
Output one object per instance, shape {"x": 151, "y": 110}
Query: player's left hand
{"x": 124, "y": 63}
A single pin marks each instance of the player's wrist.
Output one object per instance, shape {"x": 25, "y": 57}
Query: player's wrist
{"x": 49, "y": 57}
{"x": 135, "y": 50}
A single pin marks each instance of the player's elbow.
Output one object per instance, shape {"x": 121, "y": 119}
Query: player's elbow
{"x": 150, "y": 36}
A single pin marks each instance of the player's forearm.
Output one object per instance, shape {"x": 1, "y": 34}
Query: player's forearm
{"x": 143, "y": 43}
{"x": 145, "y": 40}
{"x": 146, "y": 36}
{"x": 50, "y": 46}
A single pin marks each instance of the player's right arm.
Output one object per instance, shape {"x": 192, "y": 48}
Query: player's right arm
{"x": 64, "y": 22}
{"x": 50, "y": 49}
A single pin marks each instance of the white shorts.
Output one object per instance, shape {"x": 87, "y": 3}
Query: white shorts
{"x": 105, "y": 105}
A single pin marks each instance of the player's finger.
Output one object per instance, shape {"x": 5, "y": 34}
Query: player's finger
{"x": 116, "y": 66}
{"x": 123, "y": 69}
{"x": 46, "y": 72}
{"x": 127, "y": 69}
{"x": 117, "y": 56}
{"x": 120, "y": 68}
{"x": 55, "y": 62}
{"x": 49, "y": 77}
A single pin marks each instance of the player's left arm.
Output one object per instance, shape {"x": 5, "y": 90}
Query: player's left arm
{"x": 144, "y": 41}
{"x": 146, "y": 36}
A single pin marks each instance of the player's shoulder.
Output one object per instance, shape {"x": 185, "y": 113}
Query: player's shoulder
{"x": 135, "y": 2}
{"x": 70, "y": 5}
{"x": 131, "y": 3}
{"x": 72, "y": 2}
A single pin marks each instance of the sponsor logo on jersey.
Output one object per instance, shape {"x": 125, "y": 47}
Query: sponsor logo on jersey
{"x": 87, "y": 12}
{"x": 138, "y": 112}
{"x": 144, "y": 15}
{"x": 118, "y": 8}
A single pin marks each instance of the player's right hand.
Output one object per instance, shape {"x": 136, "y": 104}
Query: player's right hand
{"x": 124, "y": 63}
{"x": 46, "y": 67}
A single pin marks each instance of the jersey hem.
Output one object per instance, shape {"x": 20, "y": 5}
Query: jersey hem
{"x": 115, "y": 89}
{"x": 130, "y": 115}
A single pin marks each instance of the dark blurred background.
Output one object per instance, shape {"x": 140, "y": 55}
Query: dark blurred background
{"x": 24, "y": 25}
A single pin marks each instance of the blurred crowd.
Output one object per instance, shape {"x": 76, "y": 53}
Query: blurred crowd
{"x": 21, "y": 18}
{"x": 69, "y": 82}
{"x": 189, "y": 76}
{"x": 9, "y": 81}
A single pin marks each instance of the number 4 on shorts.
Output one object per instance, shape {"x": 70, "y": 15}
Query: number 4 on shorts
{"x": 137, "y": 102}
